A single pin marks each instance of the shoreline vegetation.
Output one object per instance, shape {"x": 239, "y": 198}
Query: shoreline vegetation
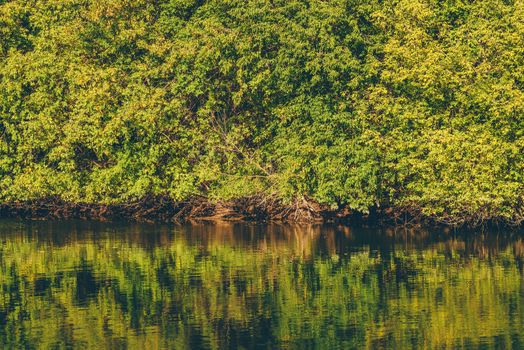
{"x": 249, "y": 209}
{"x": 294, "y": 110}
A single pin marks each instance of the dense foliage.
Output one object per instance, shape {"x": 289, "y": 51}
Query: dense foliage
{"x": 413, "y": 104}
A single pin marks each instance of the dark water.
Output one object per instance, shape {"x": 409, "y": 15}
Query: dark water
{"x": 240, "y": 286}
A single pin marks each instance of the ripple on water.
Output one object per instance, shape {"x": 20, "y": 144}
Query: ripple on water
{"x": 93, "y": 285}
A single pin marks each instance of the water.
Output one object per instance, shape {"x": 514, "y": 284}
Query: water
{"x": 242, "y": 286}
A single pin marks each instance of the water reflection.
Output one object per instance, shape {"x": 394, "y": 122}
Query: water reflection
{"x": 202, "y": 286}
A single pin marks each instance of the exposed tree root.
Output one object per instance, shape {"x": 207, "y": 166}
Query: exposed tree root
{"x": 163, "y": 209}
{"x": 255, "y": 208}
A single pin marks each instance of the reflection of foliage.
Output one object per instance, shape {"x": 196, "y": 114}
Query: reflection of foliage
{"x": 108, "y": 292}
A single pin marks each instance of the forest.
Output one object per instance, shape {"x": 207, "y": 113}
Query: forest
{"x": 410, "y": 107}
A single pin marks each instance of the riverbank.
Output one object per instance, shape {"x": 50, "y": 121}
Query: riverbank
{"x": 413, "y": 106}
{"x": 254, "y": 208}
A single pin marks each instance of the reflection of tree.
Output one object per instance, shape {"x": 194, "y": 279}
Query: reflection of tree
{"x": 237, "y": 285}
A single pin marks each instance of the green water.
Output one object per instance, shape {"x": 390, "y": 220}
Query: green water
{"x": 242, "y": 286}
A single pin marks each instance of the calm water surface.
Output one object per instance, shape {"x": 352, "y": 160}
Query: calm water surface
{"x": 242, "y": 286}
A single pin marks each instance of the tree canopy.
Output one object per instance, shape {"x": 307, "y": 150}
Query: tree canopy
{"x": 415, "y": 104}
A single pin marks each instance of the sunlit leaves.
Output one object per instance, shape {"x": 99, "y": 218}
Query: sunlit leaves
{"x": 345, "y": 102}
